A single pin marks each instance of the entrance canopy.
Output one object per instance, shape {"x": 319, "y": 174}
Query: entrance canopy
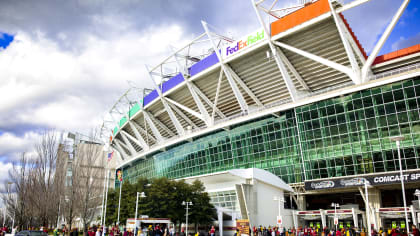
{"x": 240, "y": 176}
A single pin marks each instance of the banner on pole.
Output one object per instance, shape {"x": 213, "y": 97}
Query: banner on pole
{"x": 279, "y": 220}
{"x": 120, "y": 175}
{"x": 243, "y": 227}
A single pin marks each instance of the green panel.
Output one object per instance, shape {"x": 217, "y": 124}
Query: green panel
{"x": 123, "y": 121}
{"x": 134, "y": 110}
{"x": 115, "y": 130}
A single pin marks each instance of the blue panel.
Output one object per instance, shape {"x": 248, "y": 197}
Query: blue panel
{"x": 204, "y": 64}
{"x": 150, "y": 97}
{"x": 172, "y": 82}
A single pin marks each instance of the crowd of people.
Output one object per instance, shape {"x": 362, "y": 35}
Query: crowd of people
{"x": 345, "y": 231}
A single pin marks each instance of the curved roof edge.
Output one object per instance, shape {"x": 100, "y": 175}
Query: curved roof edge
{"x": 261, "y": 175}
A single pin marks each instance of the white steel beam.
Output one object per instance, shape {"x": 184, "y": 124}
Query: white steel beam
{"x": 216, "y": 98}
{"x": 201, "y": 108}
{"x": 334, "y": 65}
{"x": 180, "y": 113}
{"x": 163, "y": 126}
{"x": 234, "y": 87}
{"x": 207, "y": 100}
{"x": 152, "y": 126}
{"x": 353, "y": 44}
{"x": 243, "y": 85}
{"x": 136, "y": 140}
{"x": 293, "y": 70}
{"x": 123, "y": 154}
{"x": 180, "y": 130}
{"x": 382, "y": 40}
{"x": 192, "y": 112}
{"x": 205, "y": 115}
{"x": 353, "y": 62}
{"x": 121, "y": 144}
{"x": 285, "y": 74}
{"x": 352, "y": 4}
{"x": 127, "y": 143}
{"x": 141, "y": 129}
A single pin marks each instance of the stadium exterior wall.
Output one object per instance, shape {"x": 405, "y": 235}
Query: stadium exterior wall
{"x": 342, "y": 136}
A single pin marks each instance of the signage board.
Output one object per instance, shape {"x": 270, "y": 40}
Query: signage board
{"x": 383, "y": 179}
{"x": 244, "y": 42}
{"x": 335, "y": 221}
{"x": 243, "y": 227}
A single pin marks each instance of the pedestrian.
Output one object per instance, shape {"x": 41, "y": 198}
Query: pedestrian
{"x": 212, "y": 231}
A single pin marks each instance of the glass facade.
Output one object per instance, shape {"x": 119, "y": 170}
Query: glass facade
{"x": 347, "y": 135}
{"x": 225, "y": 199}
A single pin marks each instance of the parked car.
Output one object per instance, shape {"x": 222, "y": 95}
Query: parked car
{"x": 31, "y": 233}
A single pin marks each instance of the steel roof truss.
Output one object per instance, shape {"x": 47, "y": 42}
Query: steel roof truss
{"x": 293, "y": 70}
{"x": 155, "y": 131}
{"x": 354, "y": 65}
{"x": 353, "y": 44}
{"x": 127, "y": 142}
{"x": 192, "y": 112}
{"x": 180, "y": 113}
{"x": 334, "y": 65}
{"x": 163, "y": 126}
{"x": 207, "y": 100}
{"x": 180, "y": 130}
{"x": 120, "y": 150}
{"x": 243, "y": 85}
{"x": 217, "y": 94}
{"x": 140, "y": 139}
{"x": 285, "y": 74}
{"x": 204, "y": 114}
{"x": 381, "y": 41}
{"x": 235, "y": 89}
{"x": 141, "y": 129}
{"x": 136, "y": 141}
{"x": 121, "y": 145}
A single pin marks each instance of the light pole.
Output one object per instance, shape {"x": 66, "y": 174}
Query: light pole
{"x": 280, "y": 200}
{"x": 119, "y": 205}
{"x": 142, "y": 195}
{"x": 105, "y": 203}
{"x": 417, "y": 193}
{"x": 367, "y": 208}
{"x": 335, "y": 205}
{"x": 184, "y": 203}
{"x": 397, "y": 140}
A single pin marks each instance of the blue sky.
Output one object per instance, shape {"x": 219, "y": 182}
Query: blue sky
{"x": 407, "y": 28}
{"x": 69, "y": 61}
{"x": 5, "y": 39}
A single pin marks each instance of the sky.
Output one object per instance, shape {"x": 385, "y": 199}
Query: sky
{"x": 63, "y": 64}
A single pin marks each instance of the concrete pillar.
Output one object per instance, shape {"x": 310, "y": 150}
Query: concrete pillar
{"x": 220, "y": 219}
{"x": 301, "y": 202}
{"x": 375, "y": 203}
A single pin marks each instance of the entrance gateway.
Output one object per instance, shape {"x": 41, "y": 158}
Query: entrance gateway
{"x": 347, "y": 218}
{"x": 385, "y": 200}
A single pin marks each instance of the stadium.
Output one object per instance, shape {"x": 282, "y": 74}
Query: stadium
{"x": 295, "y": 111}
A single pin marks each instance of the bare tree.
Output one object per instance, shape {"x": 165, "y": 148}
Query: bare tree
{"x": 45, "y": 194}
{"x": 90, "y": 162}
{"x": 17, "y": 185}
{"x": 61, "y": 179}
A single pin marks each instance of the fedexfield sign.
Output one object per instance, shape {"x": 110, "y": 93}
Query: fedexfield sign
{"x": 243, "y": 43}
{"x": 360, "y": 181}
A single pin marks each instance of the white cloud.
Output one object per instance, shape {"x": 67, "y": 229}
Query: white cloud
{"x": 11, "y": 145}
{"x": 45, "y": 86}
{"x": 4, "y": 173}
